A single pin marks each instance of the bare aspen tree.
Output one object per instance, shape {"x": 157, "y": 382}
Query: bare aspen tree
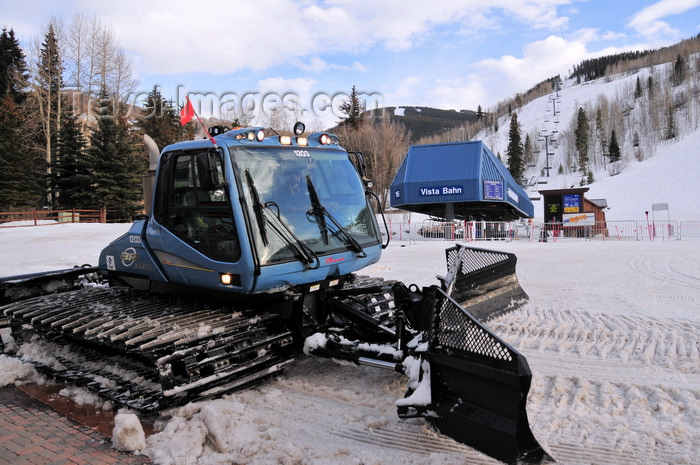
{"x": 94, "y": 61}
{"x": 75, "y": 45}
{"x": 121, "y": 80}
{"x": 106, "y": 52}
{"x": 46, "y": 86}
{"x": 383, "y": 143}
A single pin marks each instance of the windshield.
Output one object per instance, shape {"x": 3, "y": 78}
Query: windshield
{"x": 281, "y": 178}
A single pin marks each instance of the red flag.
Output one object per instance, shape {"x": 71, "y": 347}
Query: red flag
{"x": 187, "y": 112}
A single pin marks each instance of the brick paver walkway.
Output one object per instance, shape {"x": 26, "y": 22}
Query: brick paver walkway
{"x": 32, "y": 433}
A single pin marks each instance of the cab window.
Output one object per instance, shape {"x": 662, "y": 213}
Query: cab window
{"x": 196, "y": 209}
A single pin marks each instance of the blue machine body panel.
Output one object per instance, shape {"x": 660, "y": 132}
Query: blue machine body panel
{"x": 466, "y": 175}
{"x": 154, "y": 252}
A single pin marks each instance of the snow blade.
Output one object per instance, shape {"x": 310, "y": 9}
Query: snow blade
{"x": 483, "y": 281}
{"x": 479, "y": 385}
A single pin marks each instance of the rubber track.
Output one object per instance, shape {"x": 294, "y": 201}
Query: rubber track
{"x": 380, "y": 305}
{"x": 192, "y": 349}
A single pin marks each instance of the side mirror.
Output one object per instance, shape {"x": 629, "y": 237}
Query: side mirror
{"x": 358, "y": 161}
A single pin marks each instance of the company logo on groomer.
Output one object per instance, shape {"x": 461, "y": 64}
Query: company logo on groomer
{"x": 129, "y": 256}
{"x": 441, "y": 190}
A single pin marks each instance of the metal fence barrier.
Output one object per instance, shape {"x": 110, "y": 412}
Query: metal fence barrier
{"x": 463, "y": 231}
{"x": 468, "y": 231}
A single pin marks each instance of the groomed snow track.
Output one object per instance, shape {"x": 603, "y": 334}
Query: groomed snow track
{"x": 641, "y": 373}
{"x": 177, "y": 349}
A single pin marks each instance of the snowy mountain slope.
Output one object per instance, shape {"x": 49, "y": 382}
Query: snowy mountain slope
{"x": 669, "y": 167}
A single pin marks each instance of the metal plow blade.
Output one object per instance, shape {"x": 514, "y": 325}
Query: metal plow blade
{"x": 483, "y": 282}
{"x": 479, "y": 386}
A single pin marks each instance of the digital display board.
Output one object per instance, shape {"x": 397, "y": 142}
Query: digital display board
{"x": 572, "y": 203}
{"x": 493, "y": 190}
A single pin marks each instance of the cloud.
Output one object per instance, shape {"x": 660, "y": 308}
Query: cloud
{"x": 589, "y": 35}
{"x": 177, "y": 36}
{"x": 542, "y": 14}
{"x": 317, "y": 64}
{"x": 459, "y": 95}
{"x": 497, "y": 78}
{"x": 541, "y": 60}
{"x": 648, "y": 20}
{"x": 409, "y": 91}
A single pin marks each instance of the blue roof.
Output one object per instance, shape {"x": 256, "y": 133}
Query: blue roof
{"x": 465, "y": 174}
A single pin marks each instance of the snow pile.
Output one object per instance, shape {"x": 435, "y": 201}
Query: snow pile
{"x": 14, "y": 371}
{"x": 128, "y": 434}
{"x": 418, "y": 381}
{"x": 308, "y": 416}
{"x": 313, "y": 342}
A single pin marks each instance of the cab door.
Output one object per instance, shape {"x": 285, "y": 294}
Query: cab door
{"x": 194, "y": 219}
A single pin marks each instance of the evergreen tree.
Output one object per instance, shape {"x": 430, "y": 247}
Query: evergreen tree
{"x": 116, "y": 165}
{"x": 671, "y": 130}
{"x": 71, "y": 175}
{"x": 590, "y": 178}
{"x": 353, "y": 110}
{"x": 13, "y": 68}
{"x": 678, "y": 75}
{"x": 614, "y": 148}
{"x": 479, "y": 114}
{"x": 528, "y": 151}
{"x": 160, "y": 120}
{"x": 20, "y": 181}
{"x": 638, "y": 89}
{"x": 516, "y": 166}
{"x": 581, "y": 133}
{"x": 600, "y": 132}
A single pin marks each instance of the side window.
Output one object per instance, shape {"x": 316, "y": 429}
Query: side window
{"x": 199, "y": 215}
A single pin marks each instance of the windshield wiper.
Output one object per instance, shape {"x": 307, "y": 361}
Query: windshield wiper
{"x": 317, "y": 210}
{"x": 278, "y": 225}
{"x": 320, "y": 213}
{"x": 257, "y": 207}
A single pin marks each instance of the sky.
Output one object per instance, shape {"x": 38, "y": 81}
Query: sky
{"x": 306, "y": 55}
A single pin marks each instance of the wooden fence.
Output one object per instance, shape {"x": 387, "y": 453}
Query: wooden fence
{"x": 50, "y": 217}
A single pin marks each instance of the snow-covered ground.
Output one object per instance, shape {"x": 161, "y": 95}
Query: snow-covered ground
{"x": 611, "y": 333}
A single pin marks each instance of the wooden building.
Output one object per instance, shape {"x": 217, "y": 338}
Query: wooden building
{"x": 569, "y": 210}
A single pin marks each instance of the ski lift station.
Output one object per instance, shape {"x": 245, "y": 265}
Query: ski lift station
{"x": 459, "y": 180}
